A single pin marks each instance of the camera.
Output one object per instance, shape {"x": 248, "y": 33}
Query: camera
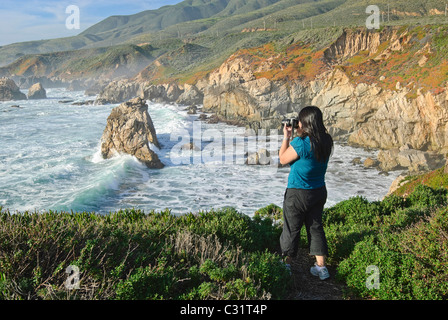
{"x": 293, "y": 122}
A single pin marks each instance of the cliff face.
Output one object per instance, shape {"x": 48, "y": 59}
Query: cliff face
{"x": 234, "y": 92}
{"x": 359, "y": 103}
{"x": 383, "y": 89}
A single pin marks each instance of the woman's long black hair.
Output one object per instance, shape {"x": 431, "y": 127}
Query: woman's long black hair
{"x": 313, "y": 127}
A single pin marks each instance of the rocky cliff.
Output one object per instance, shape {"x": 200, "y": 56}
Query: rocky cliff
{"x": 408, "y": 122}
{"x": 377, "y": 89}
{"x": 130, "y": 130}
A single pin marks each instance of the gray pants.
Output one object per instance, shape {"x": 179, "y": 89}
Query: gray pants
{"x": 303, "y": 207}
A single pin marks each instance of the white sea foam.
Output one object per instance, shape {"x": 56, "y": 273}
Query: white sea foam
{"x": 53, "y": 161}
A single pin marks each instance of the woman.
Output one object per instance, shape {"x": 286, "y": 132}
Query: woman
{"x": 306, "y": 194}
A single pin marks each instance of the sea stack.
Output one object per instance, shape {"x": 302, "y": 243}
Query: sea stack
{"x": 36, "y": 91}
{"x": 130, "y": 130}
{"x": 10, "y": 91}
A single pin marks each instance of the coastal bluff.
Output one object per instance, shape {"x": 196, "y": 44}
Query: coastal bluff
{"x": 130, "y": 130}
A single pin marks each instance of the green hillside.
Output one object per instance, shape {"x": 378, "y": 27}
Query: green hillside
{"x": 191, "y": 18}
{"x": 120, "y": 29}
{"x": 217, "y": 28}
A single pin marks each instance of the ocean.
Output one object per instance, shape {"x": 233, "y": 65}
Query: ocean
{"x": 50, "y": 160}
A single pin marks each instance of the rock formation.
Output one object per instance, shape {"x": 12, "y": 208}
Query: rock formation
{"x": 10, "y": 91}
{"x": 261, "y": 157}
{"x": 364, "y": 113}
{"x": 130, "y": 130}
{"x": 123, "y": 90}
{"x": 36, "y": 91}
{"x": 118, "y": 91}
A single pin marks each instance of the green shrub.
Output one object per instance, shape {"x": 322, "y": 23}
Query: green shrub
{"x": 271, "y": 211}
{"x": 216, "y": 273}
{"x": 353, "y": 211}
{"x": 269, "y": 271}
{"x": 232, "y": 226}
{"x": 149, "y": 283}
{"x": 132, "y": 255}
{"x": 427, "y": 196}
{"x": 412, "y": 260}
{"x": 223, "y": 254}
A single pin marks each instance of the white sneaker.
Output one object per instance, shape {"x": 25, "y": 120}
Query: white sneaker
{"x": 321, "y": 272}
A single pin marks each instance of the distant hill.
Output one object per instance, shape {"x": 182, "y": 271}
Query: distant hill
{"x": 119, "y": 29}
{"x": 214, "y": 28}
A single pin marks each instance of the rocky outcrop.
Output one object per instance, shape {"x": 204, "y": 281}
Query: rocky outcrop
{"x": 37, "y": 91}
{"x": 396, "y": 184}
{"x": 10, "y": 91}
{"x": 414, "y": 161}
{"x": 190, "y": 95}
{"x": 118, "y": 91}
{"x": 235, "y": 93}
{"x": 261, "y": 157}
{"x": 123, "y": 90}
{"x": 25, "y": 82}
{"x": 130, "y": 130}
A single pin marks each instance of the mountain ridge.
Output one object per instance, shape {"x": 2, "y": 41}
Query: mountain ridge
{"x": 192, "y": 18}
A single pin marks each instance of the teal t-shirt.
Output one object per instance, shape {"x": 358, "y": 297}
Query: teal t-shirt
{"x": 306, "y": 172}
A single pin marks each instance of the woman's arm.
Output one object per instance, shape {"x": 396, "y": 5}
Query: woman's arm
{"x": 287, "y": 154}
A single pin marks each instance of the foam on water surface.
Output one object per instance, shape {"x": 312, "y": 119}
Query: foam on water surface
{"x": 50, "y": 159}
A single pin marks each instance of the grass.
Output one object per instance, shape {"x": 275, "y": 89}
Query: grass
{"x": 434, "y": 179}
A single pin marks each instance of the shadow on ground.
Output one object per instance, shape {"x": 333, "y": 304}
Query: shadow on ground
{"x": 308, "y": 287}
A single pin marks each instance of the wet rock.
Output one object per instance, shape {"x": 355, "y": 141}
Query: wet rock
{"x": 356, "y": 161}
{"x": 370, "y": 163}
{"x": 190, "y": 146}
{"x": 261, "y": 157}
{"x": 192, "y": 109}
{"x": 10, "y": 91}
{"x": 37, "y": 91}
{"x": 130, "y": 130}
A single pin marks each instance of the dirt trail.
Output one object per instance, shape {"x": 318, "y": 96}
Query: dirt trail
{"x": 308, "y": 287}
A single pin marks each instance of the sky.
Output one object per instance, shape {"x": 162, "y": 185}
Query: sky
{"x": 27, "y": 20}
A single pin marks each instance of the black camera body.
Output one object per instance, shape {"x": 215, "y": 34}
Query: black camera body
{"x": 293, "y": 122}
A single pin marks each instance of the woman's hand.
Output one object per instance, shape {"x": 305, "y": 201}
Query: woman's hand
{"x": 287, "y": 132}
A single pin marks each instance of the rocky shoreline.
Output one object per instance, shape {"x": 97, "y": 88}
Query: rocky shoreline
{"x": 408, "y": 126}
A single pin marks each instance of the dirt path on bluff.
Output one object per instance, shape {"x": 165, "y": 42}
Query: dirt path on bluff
{"x": 305, "y": 286}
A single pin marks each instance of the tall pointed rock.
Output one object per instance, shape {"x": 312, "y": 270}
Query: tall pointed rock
{"x": 130, "y": 130}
